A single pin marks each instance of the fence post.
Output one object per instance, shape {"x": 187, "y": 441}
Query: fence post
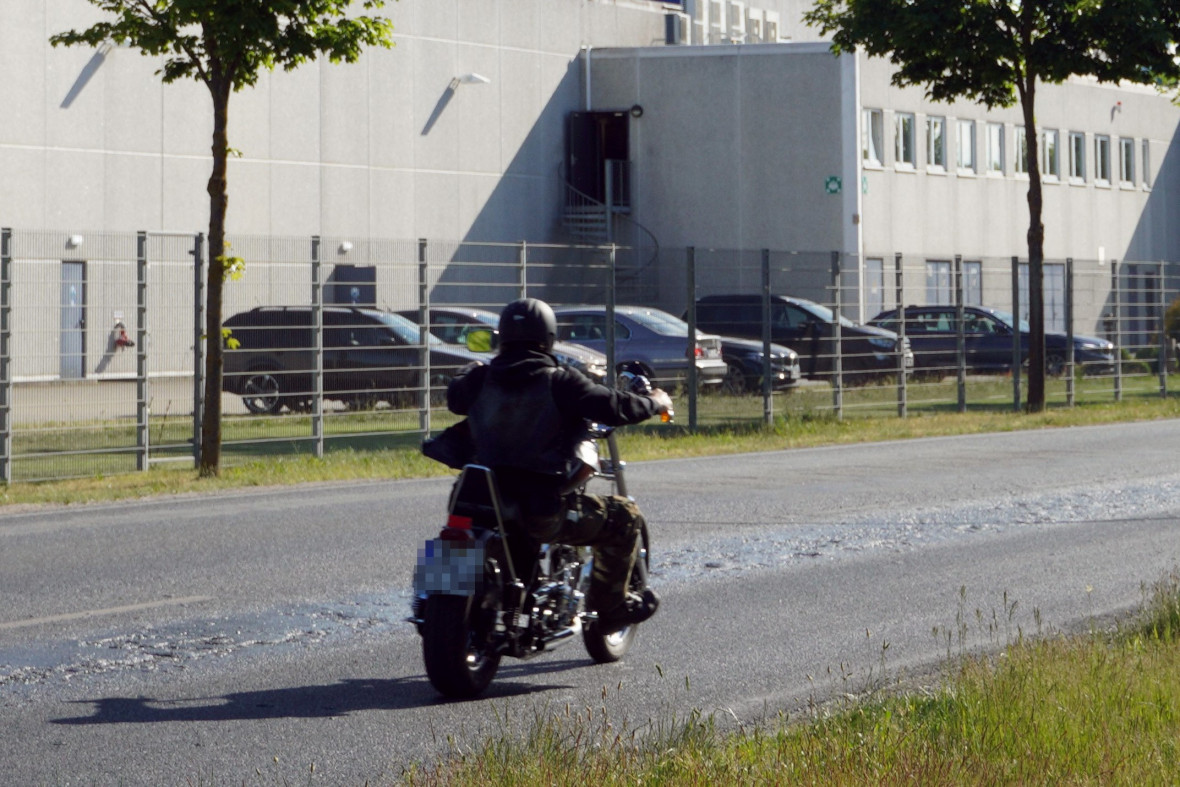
{"x": 838, "y": 352}
{"x": 960, "y": 337}
{"x": 198, "y": 343}
{"x": 317, "y": 349}
{"x": 767, "y": 399}
{"x": 1017, "y": 338}
{"x": 6, "y": 355}
{"x": 522, "y": 259}
{"x": 902, "y": 407}
{"x": 1070, "y": 357}
{"x": 611, "y": 372}
{"x": 690, "y": 276}
{"x": 1117, "y": 329}
{"x": 142, "y": 405}
{"x": 1162, "y": 351}
{"x": 423, "y": 325}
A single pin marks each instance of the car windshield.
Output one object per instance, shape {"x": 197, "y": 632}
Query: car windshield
{"x": 659, "y": 322}
{"x": 825, "y": 314}
{"x": 1007, "y": 319}
{"x": 406, "y": 330}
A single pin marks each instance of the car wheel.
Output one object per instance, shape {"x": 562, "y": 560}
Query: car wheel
{"x": 261, "y": 392}
{"x": 734, "y": 382}
{"x": 1054, "y": 364}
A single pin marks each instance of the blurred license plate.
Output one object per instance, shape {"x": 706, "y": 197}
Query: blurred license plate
{"x": 449, "y": 567}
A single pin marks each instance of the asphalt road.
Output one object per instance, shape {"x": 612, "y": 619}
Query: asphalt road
{"x": 247, "y": 636}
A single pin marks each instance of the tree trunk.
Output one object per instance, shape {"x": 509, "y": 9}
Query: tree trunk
{"x": 210, "y": 464}
{"x": 1036, "y": 256}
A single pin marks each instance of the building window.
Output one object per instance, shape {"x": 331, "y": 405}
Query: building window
{"x": 1050, "y": 166}
{"x": 1021, "y": 162}
{"x": 1126, "y": 161}
{"x": 938, "y": 282}
{"x": 965, "y": 150}
{"x": 1102, "y": 160}
{"x": 995, "y": 148}
{"x": 1077, "y": 157}
{"x": 936, "y": 143}
{"x": 904, "y": 152}
{"x": 1145, "y": 164}
{"x": 973, "y": 283}
{"x": 872, "y": 137}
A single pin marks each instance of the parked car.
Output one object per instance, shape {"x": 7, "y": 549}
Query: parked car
{"x": 369, "y": 356}
{"x": 653, "y": 339}
{"x": 987, "y": 334}
{"x": 808, "y": 328}
{"x": 743, "y": 366}
{"x": 453, "y": 323}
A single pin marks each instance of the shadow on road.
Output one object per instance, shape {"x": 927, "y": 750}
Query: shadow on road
{"x": 337, "y": 699}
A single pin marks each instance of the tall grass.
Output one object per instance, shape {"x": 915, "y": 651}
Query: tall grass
{"x": 1098, "y": 708}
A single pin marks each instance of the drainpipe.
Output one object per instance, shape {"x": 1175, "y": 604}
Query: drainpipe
{"x": 586, "y": 49}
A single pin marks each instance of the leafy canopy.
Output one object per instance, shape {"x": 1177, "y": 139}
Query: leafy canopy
{"x": 986, "y": 50}
{"x": 229, "y": 42}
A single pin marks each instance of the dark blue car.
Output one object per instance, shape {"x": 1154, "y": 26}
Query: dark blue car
{"x": 988, "y": 339}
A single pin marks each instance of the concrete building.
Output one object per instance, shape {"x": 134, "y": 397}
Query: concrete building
{"x": 734, "y": 128}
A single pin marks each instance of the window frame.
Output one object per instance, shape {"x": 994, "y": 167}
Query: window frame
{"x": 1102, "y": 160}
{"x": 902, "y": 137}
{"x": 935, "y": 143}
{"x": 872, "y": 135}
{"x": 1077, "y": 157}
{"x": 1127, "y": 162}
{"x": 1050, "y": 155}
{"x": 1020, "y": 161}
{"x": 965, "y": 162}
{"x": 996, "y": 162}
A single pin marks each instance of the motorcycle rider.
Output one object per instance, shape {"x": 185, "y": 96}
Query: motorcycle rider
{"x": 527, "y": 415}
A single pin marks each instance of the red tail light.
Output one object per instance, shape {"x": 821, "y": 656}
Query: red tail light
{"x": 696, "y": 352}
{"x": 458, "y": 528}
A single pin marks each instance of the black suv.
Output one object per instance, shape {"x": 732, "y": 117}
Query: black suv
{"x": 808, "y": 328}
{"x": 369, "y": 356}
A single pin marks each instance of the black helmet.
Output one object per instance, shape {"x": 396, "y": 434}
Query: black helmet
{"x": 530, "y": 321}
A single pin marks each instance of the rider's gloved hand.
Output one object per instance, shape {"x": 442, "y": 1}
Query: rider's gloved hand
{"x": 662, "y": 400}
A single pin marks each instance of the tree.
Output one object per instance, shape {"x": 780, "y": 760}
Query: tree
{"x": 996, "y": 52}
{"x": 225, "y": 44}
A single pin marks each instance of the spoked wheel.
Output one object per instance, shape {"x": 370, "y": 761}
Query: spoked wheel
{"x": 460, "y": 661}
{"x": 260, "y": 393}
{"x": 734, "y": 382}
{"x": 608, "y": 648}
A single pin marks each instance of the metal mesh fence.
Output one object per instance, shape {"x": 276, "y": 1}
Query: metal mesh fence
{"x": 102, "y": 346}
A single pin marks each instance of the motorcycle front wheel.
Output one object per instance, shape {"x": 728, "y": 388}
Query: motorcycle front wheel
{"x": 608, "y": 648}
{"x": 459, "y": 658}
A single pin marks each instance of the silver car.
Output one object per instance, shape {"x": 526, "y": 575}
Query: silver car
{"x": 654, "y": 339}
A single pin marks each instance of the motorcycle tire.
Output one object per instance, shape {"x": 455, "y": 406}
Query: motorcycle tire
{"x": 459, "y": 661}
{"x": 609, "y": 648}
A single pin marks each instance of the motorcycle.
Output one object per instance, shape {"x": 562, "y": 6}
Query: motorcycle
{"x": 483, "y": 592}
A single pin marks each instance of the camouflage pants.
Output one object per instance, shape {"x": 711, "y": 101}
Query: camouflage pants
{"x": 611, "y": 524}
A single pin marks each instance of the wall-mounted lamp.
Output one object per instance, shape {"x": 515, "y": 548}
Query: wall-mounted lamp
{"x": 74, "y": 241}
{"x": 474, "y": 79}
{"x": 345, "y": 247}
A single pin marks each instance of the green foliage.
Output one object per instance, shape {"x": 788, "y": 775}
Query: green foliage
{"x": 989, "y": 52}
{"x": 231, "y": 42}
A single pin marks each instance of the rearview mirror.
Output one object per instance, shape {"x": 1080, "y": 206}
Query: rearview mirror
{"x": 481, "y": 340}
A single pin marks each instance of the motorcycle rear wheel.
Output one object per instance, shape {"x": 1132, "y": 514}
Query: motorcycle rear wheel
{"x": 459, "y": 659}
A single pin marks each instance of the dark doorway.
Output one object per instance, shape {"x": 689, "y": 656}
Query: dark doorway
{"x": 592, "y": 140}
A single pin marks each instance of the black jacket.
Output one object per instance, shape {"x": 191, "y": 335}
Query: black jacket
{"x": 527, "y": 414}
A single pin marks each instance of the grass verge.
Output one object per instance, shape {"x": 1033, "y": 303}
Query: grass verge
{"x": 394, "y": 456}
{"x": 1098, "y": 708}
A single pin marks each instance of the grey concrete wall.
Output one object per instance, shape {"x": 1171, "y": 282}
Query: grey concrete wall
{"x": 377, "y": 148}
